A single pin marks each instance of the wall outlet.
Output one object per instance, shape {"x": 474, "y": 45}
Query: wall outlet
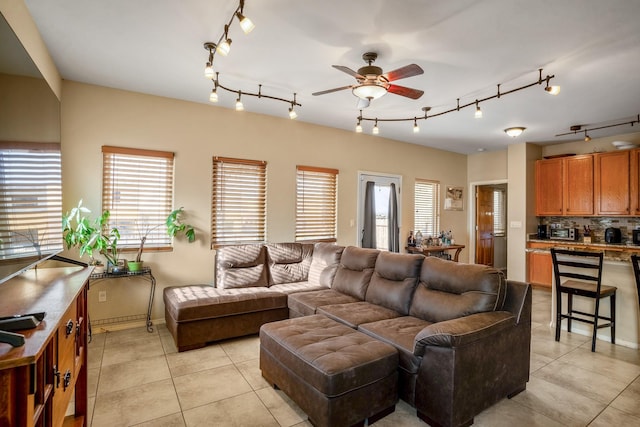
{"x": 102, "y": 296}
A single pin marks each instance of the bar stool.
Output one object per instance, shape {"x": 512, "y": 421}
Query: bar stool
{"x": 583, "y": 271}
{"x": 635, "y": 262}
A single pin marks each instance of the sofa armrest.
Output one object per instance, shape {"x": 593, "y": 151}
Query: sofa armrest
{"x": 462, "y": 331}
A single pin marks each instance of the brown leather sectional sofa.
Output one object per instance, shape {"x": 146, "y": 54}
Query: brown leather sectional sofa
{"x": 462, "y": 331}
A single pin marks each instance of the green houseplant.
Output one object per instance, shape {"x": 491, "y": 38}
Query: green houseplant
{"x": 175, "y": 226}
{"x": 90, "y": 236}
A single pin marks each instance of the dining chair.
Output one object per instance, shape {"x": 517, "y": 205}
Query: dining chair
{"x": 579, "y": 273}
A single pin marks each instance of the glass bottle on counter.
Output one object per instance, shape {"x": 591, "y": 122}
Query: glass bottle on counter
{"x": 419, "y": 239}
{"x": 411, "y": 242}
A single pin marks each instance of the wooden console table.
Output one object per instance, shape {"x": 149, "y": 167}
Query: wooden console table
{"x": 144, "y": 273}
{"x": 432, "y": 250}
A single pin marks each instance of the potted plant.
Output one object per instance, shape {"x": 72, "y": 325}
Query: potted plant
{"x": 90, "y": 236}
{"x": 174, "y": 225}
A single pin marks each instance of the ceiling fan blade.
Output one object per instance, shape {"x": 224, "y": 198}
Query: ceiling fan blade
{"x": 405, "y": 91}
{"x": 331, "y": 90}
{"x": 363, "y": 103}
{"x": 348, "y": 71}
{"x": 403, "y": 72}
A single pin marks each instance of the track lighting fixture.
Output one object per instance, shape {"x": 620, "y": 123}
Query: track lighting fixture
{"x": 208, "y": 69}
{"x": 239, "y": 105}
{"x": 359, "y": 124}
{"x": 553, "y": 90}
{"x": 514, "y": 131}
{"x": 214, "y": 95}
{"x": 223, "y": 47}
{"x": 578, "y": 128}
{"x": 375, "y": 130}
{"x": 416, "y": 128}
{"x": 478, "y": 114}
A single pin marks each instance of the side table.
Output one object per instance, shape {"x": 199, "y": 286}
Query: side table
{"x": 144, "y": 273}
{"x": 431, "y": 250}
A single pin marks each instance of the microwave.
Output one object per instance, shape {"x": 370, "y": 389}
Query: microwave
{"x": 564, "y": 233}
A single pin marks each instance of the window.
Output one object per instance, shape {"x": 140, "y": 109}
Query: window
{"x": 239, "y": 201}
{"x": 499, "y": 216}
{"x": 137, "y": 189}
{"x": 316, "y": 203}
{"x": 427, "y": 207}
{"x": 31, "y": 199}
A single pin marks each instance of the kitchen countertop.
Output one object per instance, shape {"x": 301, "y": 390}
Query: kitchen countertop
{"x": 612, "y": 251}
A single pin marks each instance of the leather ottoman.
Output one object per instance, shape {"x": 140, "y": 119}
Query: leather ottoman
{"x": 337, "y": 375}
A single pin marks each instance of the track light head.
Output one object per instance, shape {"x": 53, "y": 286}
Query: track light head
{"x": 416, "y": 128}
{"x": 478, "y": 114}
{"x": 245, "y": 23}
{"x": 375, "y": 130}
{"x": 587, "y": 138}
{"x": 213, "y": 97}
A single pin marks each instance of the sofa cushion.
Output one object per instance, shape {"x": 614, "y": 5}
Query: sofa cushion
{"x": 394, "y": 279}
{"x": 291, "y": 288}
{"x": 324, "y": 263}
{"x": 355, "y": 271}
{"x": 448, "y": 290}
{"x": 241, "y": 266}
{"x": 187, "y": 303}
{"x": 306, "y": 303}
{"x": 288, "y": 262}
{"x": 401, "y": 333}
{"x": 355, "y": 313}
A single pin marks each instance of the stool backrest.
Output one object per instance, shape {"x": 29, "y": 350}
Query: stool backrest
{"x": 635, "y": 262}
{"x": 581, "y": 265}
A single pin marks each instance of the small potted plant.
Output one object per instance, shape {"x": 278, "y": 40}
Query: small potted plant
{"x": 90, "y": 236}
{"x": 174, "y": 225}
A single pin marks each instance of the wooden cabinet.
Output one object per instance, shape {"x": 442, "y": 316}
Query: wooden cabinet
{"x": 565, "y": 186}
{"x": 549, "y": 192}
{"x": 612, "y": 183}
{"x": 578, "y": 185}
{"x": 39, "y": 379}
{"x": 539, "y": 265}
{"x": 634, "y": 160}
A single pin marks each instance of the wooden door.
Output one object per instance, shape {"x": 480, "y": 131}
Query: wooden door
{"x": 484, "y": 224}
{"x": 578, "y": 185}
{"x": 549, "y": 192}
{"x": 612, "y": 183}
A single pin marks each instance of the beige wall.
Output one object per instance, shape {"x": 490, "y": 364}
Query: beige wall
{"x": 18, "y": 17}
{"x": 487, "y": 167}
{"x": 29, "y": 111}
{"x": 93, "y": 116}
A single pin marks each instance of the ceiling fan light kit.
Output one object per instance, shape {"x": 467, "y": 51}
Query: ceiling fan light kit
{"x": 458, "y": 107}
{"x": 223, "y": 47}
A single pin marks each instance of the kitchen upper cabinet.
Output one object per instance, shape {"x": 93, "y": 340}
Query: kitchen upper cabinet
{"x": 549, "y": 193}
{"x": 635, "y": 181}
{"x": 564, "y": 186}
{"x": 578, "y": 185}
{"x": 613, "y": 183}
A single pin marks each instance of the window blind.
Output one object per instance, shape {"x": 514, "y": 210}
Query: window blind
{"x": 137, "y": 189}
{"x": 316, "y": 203}
{"x": 238, "y": 202}
{"x": 499, "y": 217}
{"x": 427, "y": 207}
{"x": 30, "y": 199}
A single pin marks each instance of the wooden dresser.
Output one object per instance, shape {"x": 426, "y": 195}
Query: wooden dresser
{"x": 39, "y": 379}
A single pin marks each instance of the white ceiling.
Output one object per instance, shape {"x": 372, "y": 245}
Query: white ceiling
{"x": 466, "y": 47}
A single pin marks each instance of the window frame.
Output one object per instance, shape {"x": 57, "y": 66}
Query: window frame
{"x": 245, "y": 171}
{"x": 115, "y": 182}
{"x": 320, "y": 222}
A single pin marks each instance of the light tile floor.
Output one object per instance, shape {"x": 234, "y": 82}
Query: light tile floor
{"x": 138, "y": 378}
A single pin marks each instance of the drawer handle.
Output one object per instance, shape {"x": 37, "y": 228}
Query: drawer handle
{"x": 69, "y": 329}
{"x": 67, "y": 380}
{"x": 56, "y": 375}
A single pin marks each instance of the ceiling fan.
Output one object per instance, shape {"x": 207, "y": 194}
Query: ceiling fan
{"x": 372, "y": 83}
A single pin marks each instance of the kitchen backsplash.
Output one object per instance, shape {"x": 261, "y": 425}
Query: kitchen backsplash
{"x": 596, "y": 224}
